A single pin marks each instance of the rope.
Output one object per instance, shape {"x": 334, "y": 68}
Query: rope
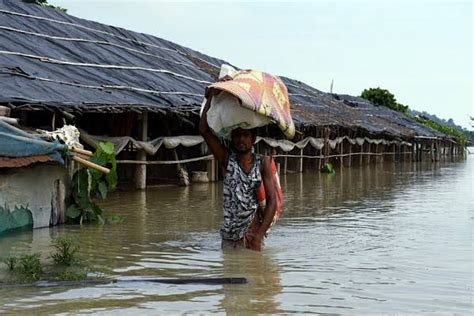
{"x": 102, "y": 32}
{"x": 343, "y": 155}
{"x": 102, "y": 87}
{"x": 168, "y": 162}
{"x": 61, "y": 62}
{"x": 69, "y": 39}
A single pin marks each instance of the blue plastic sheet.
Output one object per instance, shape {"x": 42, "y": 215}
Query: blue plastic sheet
{"x": 17, "y": 143}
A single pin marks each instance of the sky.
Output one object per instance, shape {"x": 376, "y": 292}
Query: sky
{"x": 419, "y": 50}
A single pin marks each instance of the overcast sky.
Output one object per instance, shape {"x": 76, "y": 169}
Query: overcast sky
{"x": 419, "y": 50}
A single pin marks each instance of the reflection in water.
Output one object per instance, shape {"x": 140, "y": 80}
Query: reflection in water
{"x": 264, "y": 284}
{"x": 389, "y": 237}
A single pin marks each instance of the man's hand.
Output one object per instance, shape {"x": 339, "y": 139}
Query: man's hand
{"x": 253, "y": 241}
{"x": 220, "y": 153}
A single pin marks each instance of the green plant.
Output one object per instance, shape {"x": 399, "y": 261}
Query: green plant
{"x": 327, "y": 168}
{"x": 383, "y": 97}
{"x": 461, "y": 138}
{"x": 31, "y": 268}
{"x": 88, "y": 184}
{"x": 44, "y": 3}
{"x": 72, "y": 275}
{"x": 11, "y": 262}
{"x": 66, "y": 249}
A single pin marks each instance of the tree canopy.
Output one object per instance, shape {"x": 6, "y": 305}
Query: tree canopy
{"x": 44, "y": 3}
{"x": 383, "y": 97}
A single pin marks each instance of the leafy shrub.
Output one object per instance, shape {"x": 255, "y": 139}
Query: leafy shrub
{"x": 66, "y": 249}
{"x": 11, "y": 262}
{"x": 31, "y": 268}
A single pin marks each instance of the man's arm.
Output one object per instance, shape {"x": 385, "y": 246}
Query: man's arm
{"x": 220, "y": 152}
{"x": 255, "y": 238}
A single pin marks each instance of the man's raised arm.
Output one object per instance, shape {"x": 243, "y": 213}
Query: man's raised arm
{"x": 220, "y": 152}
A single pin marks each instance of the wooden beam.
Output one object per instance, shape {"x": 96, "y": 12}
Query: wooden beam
{"x": 140, "y": 171}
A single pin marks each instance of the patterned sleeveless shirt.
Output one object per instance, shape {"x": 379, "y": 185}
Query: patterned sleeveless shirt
{"x": 240, "y": 198}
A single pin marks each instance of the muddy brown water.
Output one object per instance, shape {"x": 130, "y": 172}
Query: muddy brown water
{"x": 388, "y": 238}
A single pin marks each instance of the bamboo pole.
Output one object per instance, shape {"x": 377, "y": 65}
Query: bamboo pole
{"x": 90, "y": 164}
{"x": 9, "y": 120}
{"x": 81, "y": 151}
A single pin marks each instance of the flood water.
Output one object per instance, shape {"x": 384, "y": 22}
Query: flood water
{"x": 387, "y": 238}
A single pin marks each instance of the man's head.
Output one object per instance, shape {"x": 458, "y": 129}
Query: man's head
{"x": 242, "y": 140}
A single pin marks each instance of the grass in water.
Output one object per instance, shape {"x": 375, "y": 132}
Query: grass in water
{"x": 65, "y": 265}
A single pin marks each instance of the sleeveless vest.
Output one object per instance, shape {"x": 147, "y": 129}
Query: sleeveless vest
{"x": 240, "y": 198}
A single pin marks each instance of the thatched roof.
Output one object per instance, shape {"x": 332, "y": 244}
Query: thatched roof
{"x": 49, "y": 59}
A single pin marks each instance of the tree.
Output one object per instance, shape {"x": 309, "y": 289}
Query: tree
{"x": 383, "y": 97}
{"x": 379, "y": 96}
{"x": 44, "y": 3}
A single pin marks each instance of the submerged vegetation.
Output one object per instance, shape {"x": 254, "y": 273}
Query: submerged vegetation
{"x": 89, "y": 184}
{"x": 66, "y": 249}
{"x": 66, "y": 265}
{"x": 31, "y": 268}
{"x": 328, "y": 168}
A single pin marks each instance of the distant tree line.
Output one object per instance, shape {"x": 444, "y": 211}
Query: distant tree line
{"x": 383, "y": 97}
{"x": 44, "y": 3}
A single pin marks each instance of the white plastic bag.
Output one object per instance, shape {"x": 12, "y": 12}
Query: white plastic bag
{"x": 226, "y": 114}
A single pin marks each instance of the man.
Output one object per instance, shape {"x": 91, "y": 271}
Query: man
{"x": 243, "y": 172}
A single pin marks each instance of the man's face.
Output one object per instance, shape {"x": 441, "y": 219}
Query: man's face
{"x": 242, "y": 140}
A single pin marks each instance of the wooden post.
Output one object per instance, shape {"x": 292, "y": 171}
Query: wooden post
{"x": 285, "y": 164}
{"x": 372, "y": 149}
{"x": 350, "y": 154}
{"x": 432, "y": 154}
{"x": 319, "y": 159}
{"x": 376, "y": 156}
{"x": 53, "y": 122}
{"x": 422, "y": 150}
{"x": 437, "y": 150}
{"x": 140, "y": 171}
{"x": 341, "y": 153}
{"x": 367, "y": 156}
{"x": 211, "y": 170}
{"x": 326, "y": 145}
{"x": 300, "y": 161}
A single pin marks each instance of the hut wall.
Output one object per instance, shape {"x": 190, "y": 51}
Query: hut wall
{"x": 40, "y": 188}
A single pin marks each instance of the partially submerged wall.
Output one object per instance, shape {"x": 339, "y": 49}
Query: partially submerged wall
{"x": 39, "y": 188}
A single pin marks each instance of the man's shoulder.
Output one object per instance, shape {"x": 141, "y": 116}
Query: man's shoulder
{"x": 265, "y": 161}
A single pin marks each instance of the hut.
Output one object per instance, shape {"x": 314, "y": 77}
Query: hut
{"x": 33, "y": 180}
{"x": 144, "y": 94}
